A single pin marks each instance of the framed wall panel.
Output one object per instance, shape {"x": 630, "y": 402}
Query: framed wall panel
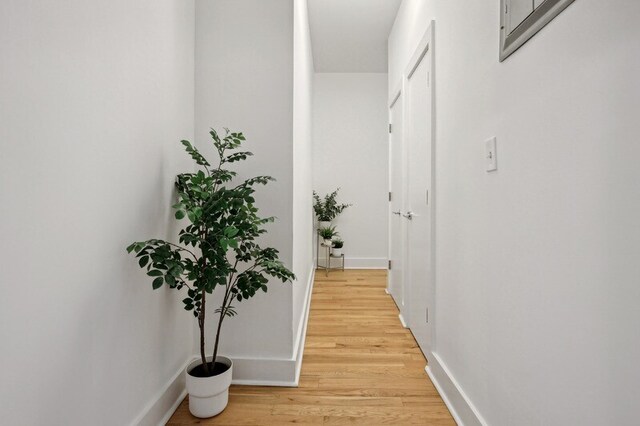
{"x": 522, "y": 19}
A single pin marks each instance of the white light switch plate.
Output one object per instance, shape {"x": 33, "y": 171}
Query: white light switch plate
{"x": 491, "y": 155}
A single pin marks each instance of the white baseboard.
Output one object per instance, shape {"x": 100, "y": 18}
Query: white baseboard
{"x": 263, "y": 371}
{"x": 366, "y": 263}
{"x": 402, "y": 321}
{"x": 276, "y": 371}
{"x": 165, "y": 402}
{"x": 302, "y": 330}
{"x": 386, "y": 290}
{"x": 459, "y": 404}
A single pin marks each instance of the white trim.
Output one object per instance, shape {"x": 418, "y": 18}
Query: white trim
{"x": 302, "y": 331}
{"x": 398, "y": 303}
{"x": 276, "y": 371}
{"x": 393, "y": 298}
{"x": 173, "y": 407}
{"x": 366, "y": 263}
{"x": 395, "y": 94}
{"x": 459, "y": 404}
{"x": 305, "y": 310}
{"x": 394, "y": 99}
{"x": 165, "y": 402}
{"x": 421, "y": 50}
{"x": 425, "y": 47}
{"x": 402, "y": 321}
{"x": 263, "y": 371}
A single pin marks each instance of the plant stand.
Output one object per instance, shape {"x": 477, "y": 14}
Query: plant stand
{"x": 328, "y": 256}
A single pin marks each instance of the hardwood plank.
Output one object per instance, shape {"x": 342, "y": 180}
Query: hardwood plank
{"x": 360, "y": 367}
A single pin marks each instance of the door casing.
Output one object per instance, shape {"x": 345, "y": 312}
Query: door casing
{"x": 425, "y": 49}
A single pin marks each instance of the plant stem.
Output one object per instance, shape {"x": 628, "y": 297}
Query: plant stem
{"x": 201, "y": 324}
{"x": 215, "y": 347}
{"x": 203, "y": 311}
{"x": 183, "y": 249}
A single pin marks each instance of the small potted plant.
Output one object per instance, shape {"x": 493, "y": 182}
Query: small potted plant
{"x": 218, "y": 253}
{"x": 337, "y": 247}
{"x": 327, "y": 208}
{"x": 327, "y": 234}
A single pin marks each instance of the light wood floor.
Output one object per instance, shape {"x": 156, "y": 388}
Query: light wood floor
{"x": 359, "y": 367}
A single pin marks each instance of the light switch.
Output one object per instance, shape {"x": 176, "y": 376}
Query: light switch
{"x": 491, "y": 155}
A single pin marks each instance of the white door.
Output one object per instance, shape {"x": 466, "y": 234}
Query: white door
{"x": 397, "y": 223}
{"x": 419, "y": 286}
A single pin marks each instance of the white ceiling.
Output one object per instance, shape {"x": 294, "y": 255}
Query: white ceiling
{"x": 351, "y": 35}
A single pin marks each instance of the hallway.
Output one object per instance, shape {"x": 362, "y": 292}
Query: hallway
{"x": 360, "y": 366}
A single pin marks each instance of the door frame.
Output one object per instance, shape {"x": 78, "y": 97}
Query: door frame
{"x": 395, "y": 97}
{"x": 425, "y": 47}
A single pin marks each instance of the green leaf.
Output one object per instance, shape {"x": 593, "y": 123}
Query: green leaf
{"x": 176, "y": 271}
{"x": 143, "y": 261}
{"x": 214, "y": 135}
{"x": 170, "y": 279}
{"x": 231, "y": 231}
{"x": 238, "y": 156}
{"x": 197, "y": 157}
{"x": 179, "y": 214}
{"x": 155, "y": 273}
{"x": 157, "y": 283}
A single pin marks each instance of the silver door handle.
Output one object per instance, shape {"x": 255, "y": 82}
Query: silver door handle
{"x": 409, "y": 215}
{"x": 397, "y": 213}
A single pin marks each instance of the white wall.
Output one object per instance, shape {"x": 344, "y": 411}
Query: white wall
{"x": 94, "y": 98}
{"x": 302, "y": 163}
{"x": 537, "y": 271}
{"x": 350, "y": 151}
{"x": 244, "y": 81}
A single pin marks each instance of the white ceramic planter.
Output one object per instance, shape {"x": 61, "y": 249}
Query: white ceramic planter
{"x": 208, "y": 396}
{"x": 327, "y": 242}
{"x": 337, "y": 252}
{"x": 324, "y": 224}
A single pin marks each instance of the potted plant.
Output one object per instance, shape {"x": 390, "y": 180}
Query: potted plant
{"x": 337, "y": 247}
{"x": 327, "y": 234}
{"x": 327, "y": 208}
{"x": 218, "y": 252}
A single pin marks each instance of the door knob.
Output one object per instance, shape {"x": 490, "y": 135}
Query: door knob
{"x": 409, "y": 215}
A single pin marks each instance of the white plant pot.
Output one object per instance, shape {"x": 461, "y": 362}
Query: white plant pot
{"x": 208, "y": 396}
{"x": 327, "y": 242}
{"x": 324, "y": 224}
{"x": 336, "y": 252}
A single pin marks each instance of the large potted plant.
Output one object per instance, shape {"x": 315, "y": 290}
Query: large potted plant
{"x": 327, "y": 208}
{"x": 218, "y": 251}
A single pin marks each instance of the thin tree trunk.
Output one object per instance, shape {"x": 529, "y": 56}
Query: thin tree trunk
{"x": 215, "y": 347}
{"x": 203, "y": 357}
